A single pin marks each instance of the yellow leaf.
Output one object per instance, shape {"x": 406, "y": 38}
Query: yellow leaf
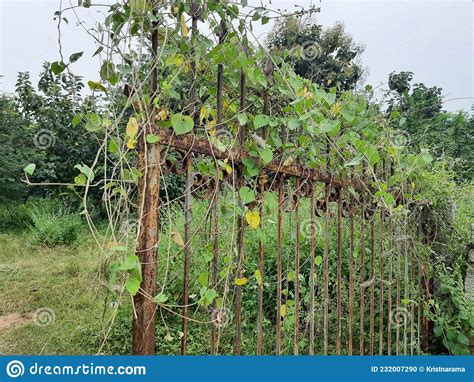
{"x": 184, "y": 27}
{"x": 253, "y": 218}
{"x": 202, "y": 113}
{"x": 132, "y": 128}
{"x": 228, "y": 168}
{"x": 131, "y": 143}
{"x": 163, "y": 114}
{"x": 176, "y": 237}
{"x": 241, "y": 281}
{"x": 283, "y": 311}
{"x": 258, "y": 276}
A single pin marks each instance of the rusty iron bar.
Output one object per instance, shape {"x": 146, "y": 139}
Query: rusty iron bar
{"x": 339, "y": 273}
{"x": 372, "y": 283}
{"x": 279, "y": 266}
{"x": 189, "y": 181}
{"x": 203, "y": 146}
{"x": 351, "y": 277}
{"x": 399, "y": 271}
{"x": 312, "y": 248}
{"x": 326, "y": 273}
{"x": 381, "y": 283}
{"x": 144, "y": 321}
{"x": 240, "y": 225}
{"x": 389, "y": 291}
{"x": 187, "y": 252}
{"x": 260, "y": 269}
{"x": 297, "y": 269}
{"x": 215, "y": 269}
{"x": 362, "y": 276}
{"x": 406, "y": 287}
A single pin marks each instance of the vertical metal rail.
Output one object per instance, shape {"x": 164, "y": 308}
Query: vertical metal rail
{"x": 351, "y": 275}
{"x": 297, "y": 269}
{"x": 312, "y": 248}
{"x": 215, "y": 258}
{"x": 240, "y": 226}
{"x": 144, "y": 321}
{"x": 326, "y": 272}
{"x": 372, "y": 281}
{"x": 339, "y": 273}
{"x": 189, "y": 180}
{"x": 412, "y": 306}
{"x": 399, "y": 271}
{"x": 382, "y": 281}
{"x": 362, "y": 276}
{"x": 220, "y": 73}
{"x": 279, "y": 266}
{"x": 405, "y": 290}
{"x": 389, "y": 291}
{"x": 260, "y": 269}
{"x": 187, "y": 252}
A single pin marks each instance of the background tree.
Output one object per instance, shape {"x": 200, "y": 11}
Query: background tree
{"x": 328, "y": 57}
{"x": 419, "y": 112}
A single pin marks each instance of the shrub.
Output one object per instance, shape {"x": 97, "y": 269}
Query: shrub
{"x": 13, "y": 216}
{"x": 52, "y": 223}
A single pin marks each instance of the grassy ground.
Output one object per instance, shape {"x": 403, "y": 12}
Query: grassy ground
{"x": 62, "y": 279}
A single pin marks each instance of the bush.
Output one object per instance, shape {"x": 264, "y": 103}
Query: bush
{"x": 13, "y": 216}
{"x": 52, "y": 223}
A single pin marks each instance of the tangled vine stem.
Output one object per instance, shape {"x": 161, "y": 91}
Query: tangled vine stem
{"x": 235, "y": 121}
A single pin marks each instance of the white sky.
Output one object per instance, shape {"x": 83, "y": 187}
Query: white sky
{"x": 433, "y": 39}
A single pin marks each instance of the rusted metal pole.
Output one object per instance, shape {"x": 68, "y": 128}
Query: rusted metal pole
{"x": 362, "y": 275}
{"x": 279, "y": 266}
{"x": 187, "y": 251}
{"x": 326, "y": 273}
{"x": 189, "y": 181}
{"x": 240, "y": 225}
{"x": 351, "y": 276}
{"x": 215, "y": 262}
{"x": 389, "y": 292}
{"x": 381, "y": 283}
{"x": 312, "y": 248}
{"x": 297, "y": 269}
{"x": 339, "y": 273}
{"x": 260, "y": 269}
{"x": 372, "y": 281}
{"x": 144, "y": 324}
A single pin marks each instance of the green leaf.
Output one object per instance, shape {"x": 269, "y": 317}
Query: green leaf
{"x": 438, "y": 331}
{"x": 94, "y": 122}
{"x": 133, "y": 285}
{"x": 30, "y": 169}
{"x": 76, "y": 120}
{"x": 75, "y": 56}
{"x": 58, "y": 67}
{"x": 354, "y": 162}
{"x": 463, "y": 339}
{"x": 251, "y": 168}
{"x": 161, "y": 298}
{"x": 131, "y": 262}
{"x": 318, "y": 260}
{"x": 182, "y": 124}
{"x": 96, "y": 86}
{"x": 260, "y": 121}
{"x": 247, "y": 195}
{"x": 293, "y": 124}
{"x": 266, "y": 155}
{"x": 242, "y": 117}
{"x": 330, "y": 126}
{"x": 152, "y": 138}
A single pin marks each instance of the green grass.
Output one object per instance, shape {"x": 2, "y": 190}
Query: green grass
{"x": 63, "y": 279}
